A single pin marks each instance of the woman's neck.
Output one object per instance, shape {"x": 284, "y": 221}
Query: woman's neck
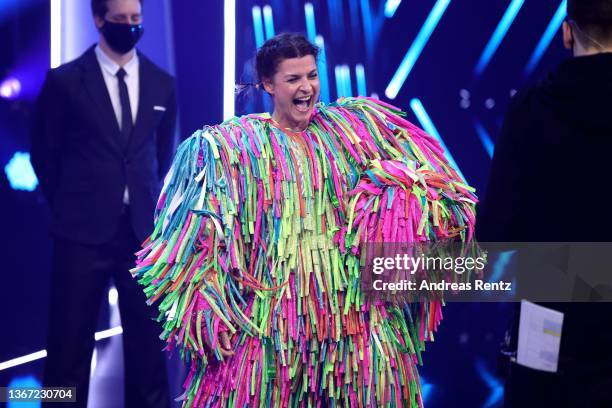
{"x": 289, "y": 125}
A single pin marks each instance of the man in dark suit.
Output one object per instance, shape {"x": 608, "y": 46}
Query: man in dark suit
{"x": 546, "y": 185}
{"x": 102, "y": 142}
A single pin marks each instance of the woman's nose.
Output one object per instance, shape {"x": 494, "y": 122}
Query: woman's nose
{"x": 306, "y": 85}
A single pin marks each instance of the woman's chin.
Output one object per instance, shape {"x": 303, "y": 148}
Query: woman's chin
{"x": 300, "y": 116}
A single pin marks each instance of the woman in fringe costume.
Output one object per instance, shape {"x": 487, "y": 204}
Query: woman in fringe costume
{"x": 254, "y": 259}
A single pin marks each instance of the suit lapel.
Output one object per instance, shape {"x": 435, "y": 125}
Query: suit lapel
{"x": 96, "y": 87}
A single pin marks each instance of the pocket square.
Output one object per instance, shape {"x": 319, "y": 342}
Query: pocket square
{"x": 159, "y": 108}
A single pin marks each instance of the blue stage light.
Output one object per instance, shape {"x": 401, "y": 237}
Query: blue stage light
{"x": 344, "y": 82}
{"x": 336, "y": 16}
{"x": 361, "y": 80}
{"x": 391, "y": 7}
{"x": 20, "y": 173}
{"x": 498, "y": 35}
{"x": 500, "y": 264}
{"x": 416, "y": 48}
{"x": 485, "y": 139}
{"x": 368, "y": 29}
{"x": 258, "y": 26}
{"x": 354, "y": 13}
{"x": 24, "y": 382}
{"x": 268, "y": 22}
{"x": 495, "y": 385}
{"x": 339, "y": 81}
{"x": 322, "y": 67}
{"x": 347, "y": 82}
{"x": 426, "y": 390}
{"x": 10, "y": 88}
{"x": 311, "y": 28}
{"x": 428, "y": 126}
{"x": 547, "y": 37}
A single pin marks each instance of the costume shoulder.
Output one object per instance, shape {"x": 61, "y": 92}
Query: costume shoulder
{"x": 371, "y": 129}
{"x": 402, "y": 168}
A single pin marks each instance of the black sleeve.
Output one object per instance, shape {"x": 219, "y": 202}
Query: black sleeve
{"x": 498, "y": 215}
{"x": 47, "y": 134}
{"x": 166, "y": 134}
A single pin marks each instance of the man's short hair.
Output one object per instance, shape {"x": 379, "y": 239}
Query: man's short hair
{"x": 99, "y": 8}
{"x": 594, "y": 18}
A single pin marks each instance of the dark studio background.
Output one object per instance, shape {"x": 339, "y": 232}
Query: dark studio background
{"x": 466, "y": 104}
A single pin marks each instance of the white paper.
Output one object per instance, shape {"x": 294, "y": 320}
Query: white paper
{"x": 539, "y": 337}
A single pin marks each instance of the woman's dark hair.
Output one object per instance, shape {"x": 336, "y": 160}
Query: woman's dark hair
{"x": 594, "y": 17}
{"x": 280, "y": 47}
{"x": 99, "y": 8}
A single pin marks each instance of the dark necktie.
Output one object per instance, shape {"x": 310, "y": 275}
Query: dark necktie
{"x": 126, "y": 110}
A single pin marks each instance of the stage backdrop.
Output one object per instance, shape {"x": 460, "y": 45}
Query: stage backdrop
{"x": 452, "y": 65}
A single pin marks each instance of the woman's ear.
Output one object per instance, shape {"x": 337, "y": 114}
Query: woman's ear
{"x": 268, "y": 86}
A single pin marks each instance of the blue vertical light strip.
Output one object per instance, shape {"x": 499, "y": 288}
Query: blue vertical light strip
{"x": 485, "y": 139}
{"x": 311, "y": 28}
{"x": 416, "y": 48}
{"x": 346, "y": 75}
{"x": 391, "y": 7}
{"x": 56, "y": 32}
{"x": 428, "y": 126}
{"x": 229, "y": 58}
{"x": 339, "y": 81}
{"x": 368, "y": 30}
{"x": 322, "y": 68}
{"x": 498, "y": 35}
{"x": 336, "y": 15}
{"x": 361, "y": 80}
{"x": 268, "y": 22}
{"x": 354, "y": 13}
{"x": 547, "y": 37}
{"x": 258, "y": 26}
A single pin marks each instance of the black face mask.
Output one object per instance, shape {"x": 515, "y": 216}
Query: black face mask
{"x": 121, "y": 37}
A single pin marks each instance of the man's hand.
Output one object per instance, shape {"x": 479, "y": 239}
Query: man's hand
{"x": 226, "y": 346}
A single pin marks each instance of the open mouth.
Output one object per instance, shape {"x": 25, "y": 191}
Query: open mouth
{"x": 303, "y": 104}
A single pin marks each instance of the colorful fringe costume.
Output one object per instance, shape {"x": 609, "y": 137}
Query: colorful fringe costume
{"x": 258, "y": 234}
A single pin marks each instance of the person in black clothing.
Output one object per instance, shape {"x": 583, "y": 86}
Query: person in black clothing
{"x": 103, "y": 140}
{"x": 549, "y": 184}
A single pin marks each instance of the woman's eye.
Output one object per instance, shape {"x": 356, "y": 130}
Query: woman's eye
{"x": 313, "y": 75}
{"x": 293, "y": 80}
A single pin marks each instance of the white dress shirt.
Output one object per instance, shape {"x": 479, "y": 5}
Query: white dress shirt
{"x": 109, "y": 72}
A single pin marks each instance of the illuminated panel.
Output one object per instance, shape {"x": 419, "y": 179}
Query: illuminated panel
{"x": 498, "y": 35}
{"x": 416, "y": 48}
{"x": 428, "y": 126}
{"x": 268, "y": 22}
{"x": 547, "y": 37}
{"x": 258, "y": 26}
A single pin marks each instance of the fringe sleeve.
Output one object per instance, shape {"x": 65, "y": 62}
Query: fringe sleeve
{"x": 186, "y": 263}
{"x": 407, "y": 193}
